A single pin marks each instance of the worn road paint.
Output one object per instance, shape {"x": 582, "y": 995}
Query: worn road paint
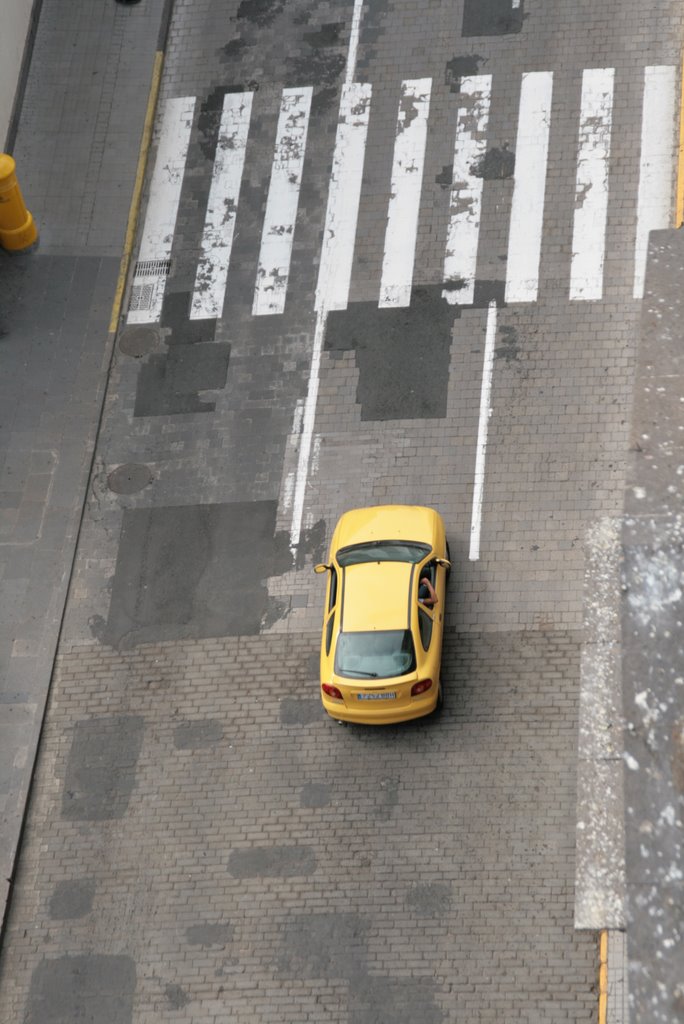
{"x": 219, "y": 225}
{"x": 679, "y": 202}
{"x": 656, "y": 164}
{"x": 353, "y": 42}
{"x": 460, "y": 261}
{"x": 308, "y": 421}
{"x": 134, "y": 208}
{"x": 339, "y": 233}
{"x": 347, "y": 179}
{"x": 282, "y": 203}
{"x": 527, "y": 212}
{"x": 482, "y": 434}
{"x": 404, "y": 203}
{"x": 591, "y": 188}
{"x": 162, "y": 209}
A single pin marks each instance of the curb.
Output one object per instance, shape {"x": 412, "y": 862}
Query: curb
{"x": 143, "y": 156}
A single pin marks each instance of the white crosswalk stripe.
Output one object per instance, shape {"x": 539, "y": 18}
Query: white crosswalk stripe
{"x": 460, "y": 261}
{"x": 149, "y": 279}
{"x": 656, "y": 164}
{"x": 282, "y": 203}
{"x": 592, "y": 195}
{"x": 219, "y": 226}
{"x": 344, "y": 195}
{"x": 405, "y": 190}
{"x": 529, "y": 187}
{"x": 591, "y": 190}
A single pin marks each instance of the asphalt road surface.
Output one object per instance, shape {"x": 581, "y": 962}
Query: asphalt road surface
{"x": 390, "y": 253}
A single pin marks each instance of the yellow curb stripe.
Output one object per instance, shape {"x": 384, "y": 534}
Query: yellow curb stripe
{"x": 137, "y": 190}
{"x": 679, "y": 205}
{"x": 603, "y": 977}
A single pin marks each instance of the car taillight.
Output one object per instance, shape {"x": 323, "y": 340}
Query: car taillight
{"x": 421, "y": 687}
{"x": 331, "y": 691}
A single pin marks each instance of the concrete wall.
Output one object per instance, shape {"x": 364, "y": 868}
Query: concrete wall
{"x": 15, "y": 19}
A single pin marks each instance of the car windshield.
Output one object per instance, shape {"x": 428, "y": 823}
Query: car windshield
{"x": 382, "y": 551}
{"x": 378, "y": 655}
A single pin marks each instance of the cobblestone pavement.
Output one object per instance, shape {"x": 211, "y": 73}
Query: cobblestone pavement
{"x": 202, "y": 843}
{"x": 206, "y": 849}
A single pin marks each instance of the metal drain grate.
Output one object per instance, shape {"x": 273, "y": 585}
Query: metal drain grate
{"x": 149, "y": 274}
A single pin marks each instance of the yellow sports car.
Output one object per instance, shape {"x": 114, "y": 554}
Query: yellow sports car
{"x": 384, "y": 615}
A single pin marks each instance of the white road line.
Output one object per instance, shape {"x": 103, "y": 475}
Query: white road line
{"x": 460, "y": 262}
{"x": 149, "y": 281}
{"x": 339, "y": 233}
{"x": 404, "y": 202}
{"x": 308, "y": 422}
{"x": 219, "y": 225}
{"x": 656, "y": 165}
{"x": 527, "y": 212}
{"x": 282, "y": 202}
{"x": 591, "y": 188}
{"x": 309, "y": 417}
{"x": 353, "y": 42}
{"x": 482, "y": 432}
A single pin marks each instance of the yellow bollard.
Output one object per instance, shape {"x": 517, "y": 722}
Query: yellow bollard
{"x": 17, "y": 230}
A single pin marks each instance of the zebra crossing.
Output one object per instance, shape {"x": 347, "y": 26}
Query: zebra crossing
{"x": 592, "y": 191}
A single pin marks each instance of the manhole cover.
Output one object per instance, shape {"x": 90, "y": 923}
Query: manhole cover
{"x": 138, "y": 341}
{"x": 129, "y": 479}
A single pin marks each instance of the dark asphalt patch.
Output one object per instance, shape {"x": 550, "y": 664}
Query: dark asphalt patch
{"x": 72, "y": 899}
{"x": 461, "y": 67}
{"x": 272, "y": 862}
{"x": 402, "y": 354}
{"x": 176, "y": 318}
{"x": 492, "y": 18}
{"x": 170, "y": 382}
{"x": 195, "y": 735}
{"x": 82, "y": 988}
{"x": 261, "y": 12}
{"x": 325, "y": 946}
{"x": 495, "y": 164}
{"x": 100, "y": 771}
{"x": 508, "y": 347}
{"x": 327, "y": 35}
{"x": 294, "y": 711}
{"x": 195, "y": 571}
{"x": 429, "y": 899}
{"x": 314, "y": 794}
{"x": 209, "y": 934}
{"x": 376, "y": 1000}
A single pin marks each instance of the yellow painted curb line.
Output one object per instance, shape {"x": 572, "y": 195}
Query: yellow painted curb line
{"x": 137, "y": 190}
{"x": 679, "y": 205}
{"x": 603, "y": 977}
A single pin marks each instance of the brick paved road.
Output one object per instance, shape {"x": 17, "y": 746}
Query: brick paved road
{"x": 203, "y": 844}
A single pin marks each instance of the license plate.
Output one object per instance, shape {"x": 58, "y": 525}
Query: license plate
{"x": 376, "y": 696}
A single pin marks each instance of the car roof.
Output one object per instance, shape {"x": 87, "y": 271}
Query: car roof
{"x": 376, "y": 596}
{"x": 387, "y": 522}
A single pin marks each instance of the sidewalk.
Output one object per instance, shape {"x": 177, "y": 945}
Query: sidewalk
{"x": 76, "y": 150}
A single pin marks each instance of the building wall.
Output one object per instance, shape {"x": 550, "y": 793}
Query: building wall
{"x": 15, "y": 20}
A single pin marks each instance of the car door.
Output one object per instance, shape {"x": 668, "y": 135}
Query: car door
{"x": 431, "y": 620}
{"x": 330, "y": 622}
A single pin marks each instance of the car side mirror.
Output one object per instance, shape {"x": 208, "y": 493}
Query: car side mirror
{"x": 321, "y": 568}
{"x": 444, "y": 562}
